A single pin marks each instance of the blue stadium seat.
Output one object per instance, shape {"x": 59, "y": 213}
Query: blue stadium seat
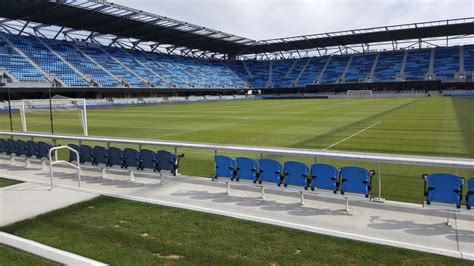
{"x": 131, "y": 158}
{"x": 296, "y": 174}
{"x": 72, "y": 155}
{"x": 11, "y": 146}
{"x": 270, "y": 171}
{"x": 3, "y": 146}
{"x": 356, "y": 180}
{"x": 86, "y": 154}
{"x": 324, "y": 177}
{"x": 20, "y": 149}
{"x": 43, "y": 150}
{"x": 443, "y": 188}
{"x": 225, "y": 167}
{"x": 31, "y": 149}
{"x": 101, "y": 156}
{"x": 470, "y": 193}
{"x": 115, "y": 157}
{"x": 247, "y": 169}
{"x": 148, "y": 160}
{"x": 168, "y": 161}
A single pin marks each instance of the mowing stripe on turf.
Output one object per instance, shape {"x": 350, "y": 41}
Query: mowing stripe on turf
{"x": 179, "y": 133}
{"x": 353, "y": 135}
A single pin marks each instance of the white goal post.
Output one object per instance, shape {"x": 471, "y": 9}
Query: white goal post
{"x": 359, "y": 94}
{"x": 58, "y": 104}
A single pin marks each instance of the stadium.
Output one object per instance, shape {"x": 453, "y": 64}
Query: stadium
{"x": 132, "y": 138}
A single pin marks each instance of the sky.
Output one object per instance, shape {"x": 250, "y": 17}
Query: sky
{"x": 268, "y": 19}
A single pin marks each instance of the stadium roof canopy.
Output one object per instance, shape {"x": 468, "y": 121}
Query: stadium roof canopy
{"x": 103, "y": 18}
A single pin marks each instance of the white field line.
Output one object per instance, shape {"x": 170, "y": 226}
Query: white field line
{"x": 179, "y": 133}
{"x": 353, "y": 135}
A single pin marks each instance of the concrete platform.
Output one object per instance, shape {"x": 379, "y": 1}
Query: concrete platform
{"x": 391, "y": 223}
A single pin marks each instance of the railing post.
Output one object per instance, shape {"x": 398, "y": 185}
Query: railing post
{"x": 379, "y": 198}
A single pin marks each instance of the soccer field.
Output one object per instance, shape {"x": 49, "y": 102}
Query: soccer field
{"x": 427, "y": 126}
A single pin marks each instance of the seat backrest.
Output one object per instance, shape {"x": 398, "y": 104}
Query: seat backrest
{"x": 3, "y": 146}
{"x": 43, "y": 150}
{"x": 72, "y": 155}
{"x": 355, "y": 180}
{"x": 324, "y": 177}
{"x": 246, "y": 169}
{"x": 224, "y": 166}
{"x": 270, "y": 171}
{"x": 31, "y": 149}
{"x": 470, "y": 193}
{"x": 11, "y": 146}
{"x": 166, "y": 161}
{"x": 148, "y": 160}
{"x": 86, "y": 154}
{"x": 444, "y": 188}
{"x": 115, "y": 157}
{"x": 101, "y": 156}
{"x": 131, "y": 158}
{"x": 296, "y": 174}
{"x": 20, "y": 148}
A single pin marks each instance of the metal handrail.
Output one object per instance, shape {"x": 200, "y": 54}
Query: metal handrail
{"x": 56, "y": 161}
{"x": 320, "y": 154}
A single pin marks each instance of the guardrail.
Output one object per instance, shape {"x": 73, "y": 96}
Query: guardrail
{"x": 457, "y": 163}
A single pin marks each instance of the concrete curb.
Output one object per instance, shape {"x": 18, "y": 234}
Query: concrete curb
{"x": 47, "y": 252}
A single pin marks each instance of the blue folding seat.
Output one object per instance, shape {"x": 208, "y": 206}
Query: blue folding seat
{"x": 225, "y": 167}
{"x": 296, "y": 174}
{"x": 115, "y": 157}
{"x": 3, "y": 146}
{"x": 356, "y": 180}
{"x": 324, "y": 177}
{"x": 443, "y": 188}
{"x": 11, "y": 146}
{"x": 247, "y": 169}
{"x": 43, "y": 150}
{"x": 100, "y": 156}
{"x": 72, "y": 155}
{"x": 20, "y": 149}
{"x": 86, "y": 154}
{"x": 167, "y": 161}
{"x": 270, "y": 171}
{"x": 470, "y": 193}
{"x": 148, "y": 160}
{"x": 31, "y": 149}
{"x": 131, "y": 158}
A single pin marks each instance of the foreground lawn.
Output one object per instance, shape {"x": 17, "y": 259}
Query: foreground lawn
{"x": 121, "y": 232}
{"x": 12, "y": 257}
{"x": 427, "y": 126}
{"x": 7, "y": 182}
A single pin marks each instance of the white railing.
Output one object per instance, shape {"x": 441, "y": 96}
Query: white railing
{"x": 456, "y": 163}
{"x": 57, "y": 161}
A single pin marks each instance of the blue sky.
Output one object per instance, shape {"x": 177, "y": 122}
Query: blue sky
{"x": 266, "y": 19}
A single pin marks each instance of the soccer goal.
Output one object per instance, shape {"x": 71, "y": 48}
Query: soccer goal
{"x": 359, "y": 94}
{"x": 55, "y": 105}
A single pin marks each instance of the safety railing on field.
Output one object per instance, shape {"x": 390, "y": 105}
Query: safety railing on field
{"x": 455, "y": 163}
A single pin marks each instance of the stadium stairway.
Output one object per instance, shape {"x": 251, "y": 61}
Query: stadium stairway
{"x": 392, "y": 223}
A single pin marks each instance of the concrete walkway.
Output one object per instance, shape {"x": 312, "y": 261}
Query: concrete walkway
{"x": 391, "y": 223}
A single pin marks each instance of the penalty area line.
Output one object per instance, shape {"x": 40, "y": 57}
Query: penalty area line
{"x": 353, "y": 135}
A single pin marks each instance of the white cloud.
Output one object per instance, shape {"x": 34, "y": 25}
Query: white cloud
{"x": 265, "y": 19}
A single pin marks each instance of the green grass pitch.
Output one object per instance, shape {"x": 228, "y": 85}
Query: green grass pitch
{"x": 427, "y": 126}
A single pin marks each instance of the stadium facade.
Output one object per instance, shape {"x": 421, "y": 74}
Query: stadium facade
{"x": 89, "y": 46}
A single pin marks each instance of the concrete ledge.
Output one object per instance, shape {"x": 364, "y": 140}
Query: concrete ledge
{"x": 47, "y": 252}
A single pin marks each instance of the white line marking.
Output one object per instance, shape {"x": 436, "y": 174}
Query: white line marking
{"x": 179, "y": 133}
{"x": 353, "y": 135}
{"x": 241, "y": 117}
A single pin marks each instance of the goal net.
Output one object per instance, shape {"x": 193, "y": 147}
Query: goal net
{"x": 359, "y": 94}
{"x": 57, "y": 104}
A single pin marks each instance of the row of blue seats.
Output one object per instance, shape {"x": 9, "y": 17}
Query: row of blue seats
{"x": 447, "y": 189}
{"x": 127, "y": 158}
{"x": 348, "y": 179}
{"x": 29, "y": 149}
